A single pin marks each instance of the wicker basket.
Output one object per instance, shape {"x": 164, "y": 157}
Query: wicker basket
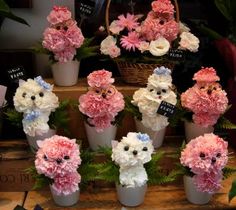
{"x": 138, "y": 73}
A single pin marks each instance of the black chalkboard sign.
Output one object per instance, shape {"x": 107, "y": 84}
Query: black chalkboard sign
{"x": 176, "y": 54}
{"x": 166, "y": 109}
{"x": 15, "y": 74}
{"x": 89, "y": 8}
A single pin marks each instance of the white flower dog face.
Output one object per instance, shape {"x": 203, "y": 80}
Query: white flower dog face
{"x": 135, "y": 149}
{"x": 32, "y": 94}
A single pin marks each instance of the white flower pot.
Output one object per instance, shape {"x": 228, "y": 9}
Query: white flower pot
{"x": 193, "y": 195}
{"x": 131, "y": 196}
{"x": 100, "y": 139}
{"x": 66, "y": 74}
{"x": 32, "y": 140}
{"x": 193, "y": 130}
{"x": 65, "y": 200}
{"x": 157, "y": 137}
{"x": 1, "y": 119}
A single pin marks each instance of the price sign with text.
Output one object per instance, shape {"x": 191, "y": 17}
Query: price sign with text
{"x": 166, "y": 109}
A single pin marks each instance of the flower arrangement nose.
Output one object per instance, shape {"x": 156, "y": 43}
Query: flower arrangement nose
{"x": 32, "y": 98}
{"x": 135, "y": 152}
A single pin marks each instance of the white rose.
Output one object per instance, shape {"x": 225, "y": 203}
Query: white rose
{"x": 183, "y": 27}
{"x": 159, "y": 47}
{"x": 106, "y": 44}
{"x": 115, "y": 28}
{"x": 144, "y": 46}
{"x": 188, "y": 42}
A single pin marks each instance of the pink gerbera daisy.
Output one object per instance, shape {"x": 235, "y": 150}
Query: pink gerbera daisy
{"x": 129, "y": 22}
{"x": 131, "y": 41}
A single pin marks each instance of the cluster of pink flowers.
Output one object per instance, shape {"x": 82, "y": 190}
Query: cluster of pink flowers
{"x": 153, "y": 35}
{"x": 102, "y": 102}
{"x": 206, "y": 156}
{"x": 58, "y": 158}
{"x": 205, "y": 99}
{"x": 63, "y": 36}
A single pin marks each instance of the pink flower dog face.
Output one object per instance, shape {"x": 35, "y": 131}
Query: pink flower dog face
{"x": 57, "y": 155}
{"x": 205, "y": 153}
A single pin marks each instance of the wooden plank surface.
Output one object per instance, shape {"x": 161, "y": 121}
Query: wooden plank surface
{"x": 9, "y": 200}
{"x": 171, "y": 197}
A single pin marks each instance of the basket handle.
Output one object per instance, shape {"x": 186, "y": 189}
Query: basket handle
{"x": 108, "y": 10}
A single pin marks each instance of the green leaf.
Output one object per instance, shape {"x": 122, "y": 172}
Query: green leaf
{"x": 232, "y": 192}
{"x": 14, "y": 117}
{"x": 132, "y": 109}
{"x": 224, "y": 7}
{"x": 228, "y": 171}
{"x": 224, "y": 123}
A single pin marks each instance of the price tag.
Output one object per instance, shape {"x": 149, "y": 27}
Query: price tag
{"x": 176, "y": 54}
{"x": 16, "y": 73}
{"x": 166, "y": 109}
{"x": 87, "y": 7}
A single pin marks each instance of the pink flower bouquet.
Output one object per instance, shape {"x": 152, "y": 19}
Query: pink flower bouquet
{"x": 148, "y": 39}
{"x": 206, "y": 99}
{"x": 206, "y": 157}
{"x": 58, "y": 159}
{"x": 102, "y": 103}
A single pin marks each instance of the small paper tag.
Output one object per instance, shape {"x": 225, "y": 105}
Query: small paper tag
{"x": 15, "y": 74}
{"x": 3, "y": 90}
{"x": 87, "y": 7}
{"x": 176, "y": 54}
{"x": 166, "y": 109}
{"x": 38, "y": 207}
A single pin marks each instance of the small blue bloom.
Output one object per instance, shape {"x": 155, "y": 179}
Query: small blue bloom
{"x": 162, "y": 71}
{"x": 42, "y": 83}
{"x": 32, "y": 115}
{"x": 143, "y": 137}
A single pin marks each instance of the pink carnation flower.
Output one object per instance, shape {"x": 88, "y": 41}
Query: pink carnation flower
{"x": 57, "y": 155}
{"x": 129, "y": 22}
{"x": 74, "y": 36}
{"x": 59, "y": 15}
{"x": 205, "y": 153}
{"x": 100, "y": 78}
{"x": 67, "y": 184}
{"x": 66, "y": 55}
{"x": 209, "y": 182}
{"x": 130, "y": 42}
{"x": 163, "y": 8}
{"x": 102, "y": 102}
{"x": 206, "y": 75}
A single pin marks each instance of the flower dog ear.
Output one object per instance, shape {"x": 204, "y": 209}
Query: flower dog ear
{"x": 40, "y": 143}
{"x": 114, "y": 143}
{"x": 21, "y": 82}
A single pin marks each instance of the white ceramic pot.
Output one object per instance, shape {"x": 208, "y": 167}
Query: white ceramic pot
{"x": 193, "y": 130}
{"x": 193, "y": 195}
{"x": 131, "y": 196}
{"x": 100, "y": 139}
{"x": 66, "y": 74}
{"x": 1, "y": 119}
{"x": 65, "y": 200}
{"x": 32, "y": 140}
{"x": 157, "y": 137}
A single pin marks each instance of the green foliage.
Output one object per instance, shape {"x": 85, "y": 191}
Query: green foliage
{"x": 224, "y": 123}
{"x": 14, "y": 117}
{"x": 5, "y": 12}
{"x": 232, "y": 192}
{"x": 132, "y": 109}
{"x": 228, "y": 171}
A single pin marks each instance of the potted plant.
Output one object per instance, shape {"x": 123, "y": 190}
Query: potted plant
{"x": 205, "y": 102}
{"x": 38, "y": 110}
{"x": 138, "y": 43}
{"x": 132, "y": 164}
{"x": 152, "y": 105}
{"x": 101, "y": 106}
{"x": 203, "y": 163}
{"x": 64, "y": 42}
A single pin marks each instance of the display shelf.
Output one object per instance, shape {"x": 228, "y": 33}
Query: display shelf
{"x": 9, "y": 200}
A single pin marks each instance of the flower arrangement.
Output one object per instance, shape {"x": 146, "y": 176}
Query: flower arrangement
{"x": 58, "y": 159}
{"x": 102, "y": 103}
{"x": 146, "y": 101}
{"x": 205, "y": 99}
{"x": 205, "y": 159}
{"x": 63, "y": 40}
{"x": 148, "y": 39}
{"x": 35, "y": 99}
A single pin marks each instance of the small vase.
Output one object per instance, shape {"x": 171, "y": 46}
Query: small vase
{"x": 65, "y": 74}
{"x": 32, "y": 140}
{"x": 193, "y": 195}
{"x": 193, "y": 130}
{"x": 157, "y": 137}
{"x": 65, "y": 200}
{"x": 131, "y": 196}
{"x": 100, "y": 139}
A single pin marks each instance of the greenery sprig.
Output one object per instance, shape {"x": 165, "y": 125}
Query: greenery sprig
{"x": 132, "y": 109}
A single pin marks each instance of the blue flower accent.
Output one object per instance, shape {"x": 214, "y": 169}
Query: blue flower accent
{"x": 42, "y": 83}
{"x": 162, "y": 71}
{"x": 143, "y": 137}
{"x": 32, "y": 115}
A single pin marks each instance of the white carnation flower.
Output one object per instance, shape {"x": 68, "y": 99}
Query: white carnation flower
{"x": 159, "y": 47}
{"x": 183, "y": 27}
{"x": 144, "y": 46}
{"x": 115, "y": 28}
{"x": 188, "y": 42}
{"x": 107, "y": 44}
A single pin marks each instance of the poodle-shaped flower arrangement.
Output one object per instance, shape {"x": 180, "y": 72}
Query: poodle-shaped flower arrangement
{"x": 58, "y": 159}
{"x": 150, "y": 99}
{"x": 205, "y": 159}
{"x": 35, "y": 99}
{"x": 101, "y": 104}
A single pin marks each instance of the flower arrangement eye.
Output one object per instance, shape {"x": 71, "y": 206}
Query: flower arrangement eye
{"x": 202, "y": 156}
{"x": 151, "y": 90}
{"x": 23, "y": 95}
{"x": 202, "y": 88}
{"x": 45, "y": 157}
{"x": 164, "y": 90}
{"x": 58, "y": 27}
{"x": 145, "y": 149}
{"x": 126, "y": 148}
{"x": 41, "y": 94}
{"x": 214, "y": 88}
{"x": 218, "y": 155}
{"x": 66, "y": 157}
{"x": 97, "y": 91}
{"x": 65, "y": 28}
{"x": 111, "y": 91}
